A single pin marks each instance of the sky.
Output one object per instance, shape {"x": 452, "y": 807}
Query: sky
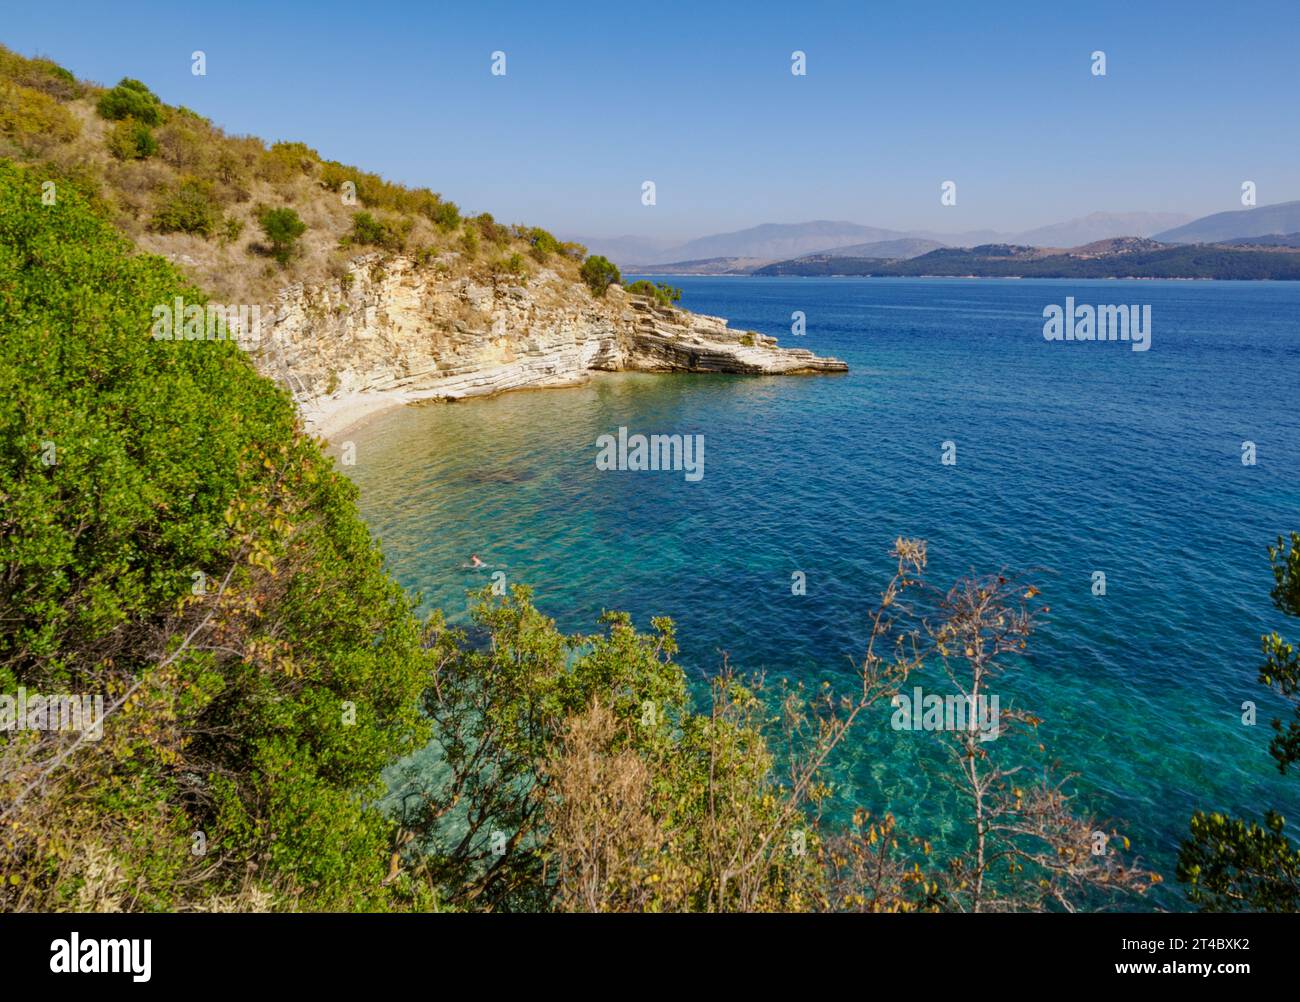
{"x": 699, "y": 98}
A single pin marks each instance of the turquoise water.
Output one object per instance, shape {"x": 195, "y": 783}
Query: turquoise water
{"x": 1071, "y": 458}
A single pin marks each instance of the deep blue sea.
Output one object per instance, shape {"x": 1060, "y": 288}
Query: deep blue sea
{"x": 1071, "y": 458}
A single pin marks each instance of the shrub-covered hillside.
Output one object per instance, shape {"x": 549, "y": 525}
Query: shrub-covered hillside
{"x": 169, "y": 540}
{"x": 240, "y": 217}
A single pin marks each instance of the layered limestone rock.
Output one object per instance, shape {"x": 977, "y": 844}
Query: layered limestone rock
{"x": 389, "y": 328}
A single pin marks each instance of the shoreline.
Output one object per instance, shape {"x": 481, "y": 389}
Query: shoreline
{"x": 330, "y": 417}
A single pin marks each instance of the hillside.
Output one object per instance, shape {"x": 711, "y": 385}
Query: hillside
{"x": 372, "y": 293}
{"x": 181, "y": 187}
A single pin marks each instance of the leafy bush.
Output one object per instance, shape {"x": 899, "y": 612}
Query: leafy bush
{"x": 512, "y": 265}
{"x": 187, "y": 144}
{"x": 231, "y": 228}
{"x": 599, "y": 273}
{"x": 333, "y": 175}
{"x": 283, "y": 228}
{"x": 445, "y": 216}
{"x": 543, "y": 244}
{"x": 34, "y": 119}
{"x": 390, "y": 234}
{"x": 285, "y": 161}
{"x": 492, "y": 231}
{"x": 661, "y": 293}
{"x": 131, "y": 140}
{"x": 233, "y": 167}
{"x": 131, "y": 99}
{"x": 190, "y": 208}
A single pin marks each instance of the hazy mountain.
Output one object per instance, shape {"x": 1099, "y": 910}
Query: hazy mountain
{"x": 1100, "y": 226}
{"x": 903, "y": 247}
{"x": 786, "y": 241}
{"x": 768, "y": 241}
{"x": 1263, "y": 220}
{"x": 775, "y": 241}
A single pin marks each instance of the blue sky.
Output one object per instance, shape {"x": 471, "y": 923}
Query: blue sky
{"x": 699, "y": 98}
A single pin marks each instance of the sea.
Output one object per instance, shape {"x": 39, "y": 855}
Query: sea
{"x": 1167, "y": 471}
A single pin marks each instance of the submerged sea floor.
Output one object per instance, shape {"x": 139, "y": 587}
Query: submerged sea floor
{"x": 1070, "y": 459}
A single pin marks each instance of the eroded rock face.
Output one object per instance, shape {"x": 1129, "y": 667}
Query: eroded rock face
{"x": 389, "y": 326}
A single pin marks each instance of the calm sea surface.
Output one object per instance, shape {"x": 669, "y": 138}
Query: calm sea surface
{"x": 1071, "y": 459}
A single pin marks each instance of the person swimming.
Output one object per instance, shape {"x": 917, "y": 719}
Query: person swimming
{"x": 474, "y": 561}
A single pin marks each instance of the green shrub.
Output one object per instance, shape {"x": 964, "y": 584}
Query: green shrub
{"x": 34, "y": 119}
{"x": 445, "y": 216}
{"x": 233, "y": 168}
{"x": 390, "y": 234}
{"x": 231, "y": 228}
{"x": 512, "y": 265}
{"x": 131, "y": 99}
{"x": 599, "y": 273}
{"x": 131, "y": 140}
{"x": 333, "y": 175}
{"x": 543, "y": 244}
{"x": 188, "y": 145}
{"x": 282, "y": 228}
{"x": 190, "y": 208}
{"x": 492, "y": 231}
{"x": 285, "y": 161}
{"x": 664, "y": 295}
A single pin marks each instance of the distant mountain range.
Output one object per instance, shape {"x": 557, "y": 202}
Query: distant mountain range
{"x": 1124, "y": 257}
{"x": 771, "y": 242}
{"x": 1258, "y": 243}
{"x": 1263, "y": 220}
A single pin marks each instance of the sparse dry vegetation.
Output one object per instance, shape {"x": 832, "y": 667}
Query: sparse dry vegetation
{"x": 180, "y": 186}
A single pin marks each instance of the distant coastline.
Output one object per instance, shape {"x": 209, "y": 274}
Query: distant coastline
{"x": 1121, "y": 258}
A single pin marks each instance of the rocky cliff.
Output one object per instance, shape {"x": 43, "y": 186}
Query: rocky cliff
{"x": 387, "y": 331}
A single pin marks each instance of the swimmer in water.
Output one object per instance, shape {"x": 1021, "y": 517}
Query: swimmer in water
{"x": 474, "y": 561}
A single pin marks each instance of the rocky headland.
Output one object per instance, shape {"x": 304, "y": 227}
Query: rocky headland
{"x": 389, "y": 332}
